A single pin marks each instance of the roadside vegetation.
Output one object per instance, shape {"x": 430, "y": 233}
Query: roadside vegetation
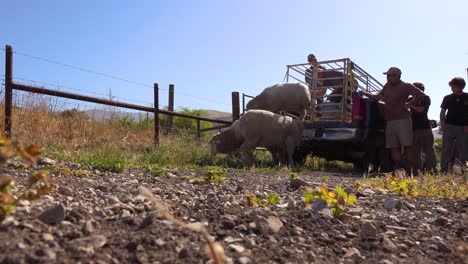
{"x": 120, "y": 141}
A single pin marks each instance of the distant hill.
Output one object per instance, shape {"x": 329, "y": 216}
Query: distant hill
{"x": 214, "y": 114}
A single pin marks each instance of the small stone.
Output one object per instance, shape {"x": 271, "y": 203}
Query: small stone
{"x": 388, "y": 245}
{"x": 442, "y": 247}
{"x": 160, "y": 242}
{"x": 237, "y": 248}
{"x": 341, "y": 237}
{"x": 368, "y": 192}
{"x": 441, "y": 221}
{"x": 47, "y": 253}
{"x": 23, "y": 203}
{"x": 318, "y": 204}
{"x": 65, "y": 191}
{"x": 133, "y": 182}
{"x": 88, "y": 227}
{"x": 402, "y": 246}
{"x": 355, "y": 211}
{"x": 351, "y": 234}
{"x": 88, "y": 245}
{"x": 46, "y": 161}
{"x": 295, "y": 184}
{"x": 21, "y": 245}
{"x": 53, "y": 215}
{"x": 47, "y": 237}
{"x": 386, "y": 261}
{"x": 353, "y": 254}
{"x": 245, "y": 260}
{"x": 327, "y": 213}
{"x": 390, "y": 233}
{"x": 442, "y": 210}
{"x": 392, "y": 203}
{"x": 408, "y": 205}
{"x": 125, "y": 214}
{"x": 368, "y": 231}
{"x": 183, "y": 253}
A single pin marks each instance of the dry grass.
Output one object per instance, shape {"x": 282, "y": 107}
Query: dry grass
{"x": 70, "y": 135}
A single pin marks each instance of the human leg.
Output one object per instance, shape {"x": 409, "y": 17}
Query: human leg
{"x": 448, "y": 139}
{"x": 430, "y": 163}
{"x": 404, "y": 133}
{"x": 417, "y": 148}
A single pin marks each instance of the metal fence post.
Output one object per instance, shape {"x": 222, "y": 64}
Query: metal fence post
{"x": 170, "y": 107}
{"x": 235, "y": 106}
{"x": 8, "y": 88}
{"x": 156, "y": 114}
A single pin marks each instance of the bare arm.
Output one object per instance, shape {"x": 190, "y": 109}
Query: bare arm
{"x": 418, "y": 96}
{"x": 442, "y": 118}
{"x": 376, "y": 97}
{"x": 418, "y": 109}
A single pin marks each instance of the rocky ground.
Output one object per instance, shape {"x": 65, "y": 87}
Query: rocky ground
{"x": 101, "y": 218}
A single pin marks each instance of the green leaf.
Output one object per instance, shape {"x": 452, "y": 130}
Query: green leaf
{"x": 273, "y": 198}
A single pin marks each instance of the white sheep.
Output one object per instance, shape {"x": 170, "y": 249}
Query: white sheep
{"x": 259, "y": 128}
{"x": 288, "y": 97}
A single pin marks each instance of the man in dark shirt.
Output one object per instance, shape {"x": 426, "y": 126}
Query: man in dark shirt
{"x": 398, "y": 130}
{"x": 454, "y": 123}
{"x": 423, "y": 139}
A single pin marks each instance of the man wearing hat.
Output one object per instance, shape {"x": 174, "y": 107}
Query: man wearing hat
{"x": 398, "y": 130}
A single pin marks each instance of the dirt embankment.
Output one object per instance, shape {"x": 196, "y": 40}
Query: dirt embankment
{"x": 100, "y": 218}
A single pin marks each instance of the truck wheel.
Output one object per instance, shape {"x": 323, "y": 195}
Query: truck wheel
{"x": 300, "y": 156}
{"x": 362, "y": 164}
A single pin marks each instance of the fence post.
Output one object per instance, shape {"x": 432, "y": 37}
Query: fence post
{"x": 8, "y": 88}
{"x": 156, "y": 114}
{"x": 170, "y": 107}
{"x": 198, "y": 127}
{"x": 235, "y": 106}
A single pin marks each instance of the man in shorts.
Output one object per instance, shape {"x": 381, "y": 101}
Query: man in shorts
{"x": 398, "y": 131}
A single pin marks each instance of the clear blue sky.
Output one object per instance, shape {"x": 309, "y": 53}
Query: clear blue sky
{"x": 209, "y": 48}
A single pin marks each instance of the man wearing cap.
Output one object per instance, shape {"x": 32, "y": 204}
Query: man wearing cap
{"x": 398, "y": 131}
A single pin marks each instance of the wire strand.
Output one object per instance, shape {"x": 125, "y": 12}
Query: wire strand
{"x": 82, "y": 69}
{"x": 80, "y": 90}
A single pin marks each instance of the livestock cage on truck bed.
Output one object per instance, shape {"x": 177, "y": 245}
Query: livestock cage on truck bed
{"x": 332, "y": 85}
{"x": 341, "y": 125}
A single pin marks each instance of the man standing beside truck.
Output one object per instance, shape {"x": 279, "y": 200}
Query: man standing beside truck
{"x": 423, "y": 138}
{"x": 454, "y": 123}
{"x": 398, "y": 130}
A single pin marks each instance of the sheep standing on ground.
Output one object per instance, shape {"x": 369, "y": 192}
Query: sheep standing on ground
{"x": 288, "y": 97}
{"x": 259, "y": 128}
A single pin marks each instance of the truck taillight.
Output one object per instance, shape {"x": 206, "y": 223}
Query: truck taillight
{"x": 359, "y": 109}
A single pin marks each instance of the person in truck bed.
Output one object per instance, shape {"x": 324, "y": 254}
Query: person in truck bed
{"x": 423, "y": 139}
{"x": 337, "y": 84}
{"x": 454, "y": 123}
{"x": 398, "y": 130}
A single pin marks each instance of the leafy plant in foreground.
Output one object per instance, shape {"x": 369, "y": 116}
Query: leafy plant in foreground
{"x": 215, "y": 176}
{"x": 337, "y": 199}
{"x": 39, "y": 183}
{"x": 270, "y": 199}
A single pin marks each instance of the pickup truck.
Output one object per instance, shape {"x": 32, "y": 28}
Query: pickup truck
{"x": 341, "y": 124}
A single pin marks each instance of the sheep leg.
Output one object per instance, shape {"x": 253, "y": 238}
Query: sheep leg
{"x": 290, "y": 146}
{"x": 303, "y": 114}
{"x": 274, "y": 155}
{"x": 246, "y": 153}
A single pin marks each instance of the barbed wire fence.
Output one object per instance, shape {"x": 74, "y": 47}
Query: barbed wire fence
{"x": 82, "y": 69}
{"x": 61, "y": 105}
